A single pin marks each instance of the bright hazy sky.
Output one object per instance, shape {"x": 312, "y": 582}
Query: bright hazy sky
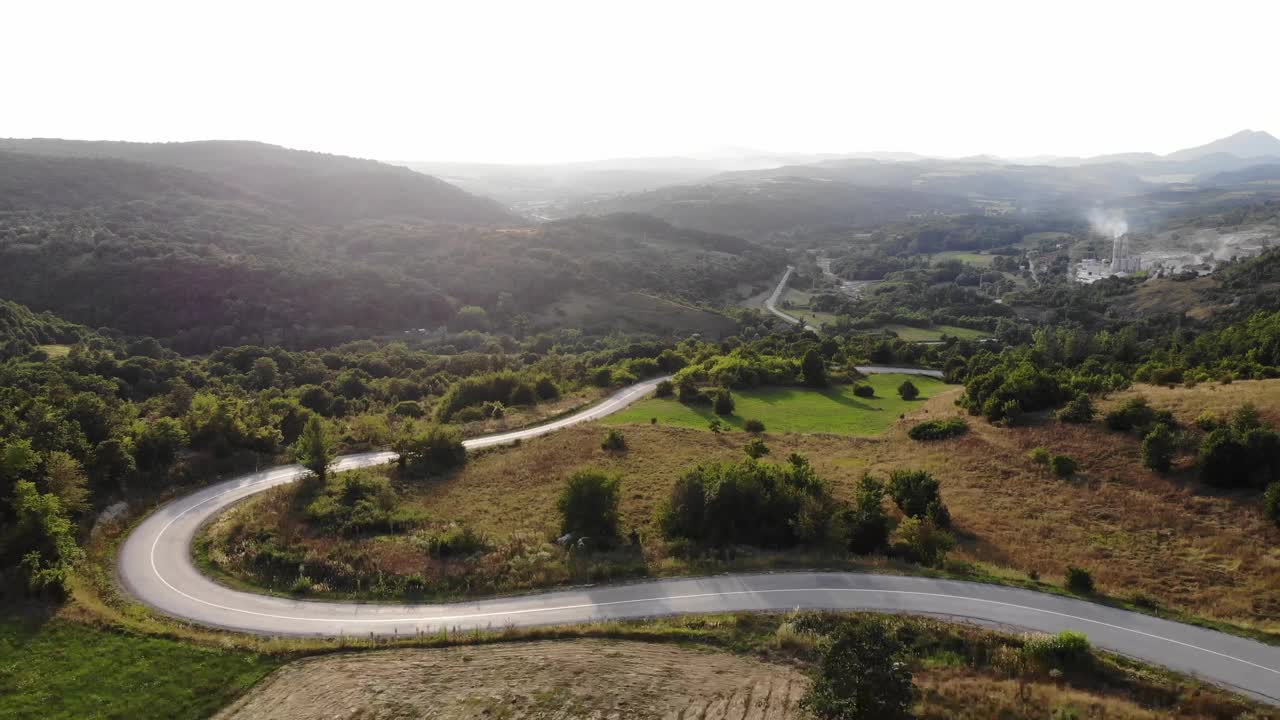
{"x": 543, "y": 80}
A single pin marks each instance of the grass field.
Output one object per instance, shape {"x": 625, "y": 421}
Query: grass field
{"x": 55, "y": 351}
{"x": 53, "y": 668}
{"x": 1150, "y": 538}
{"x": 790, "y": 409}
{"x": 799, "y": 300}
{"x": 915, "y": 334}
{"x": 972, "y": 258}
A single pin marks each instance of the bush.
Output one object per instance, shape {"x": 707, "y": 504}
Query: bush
{"x": 722, "y": 402}
{"x": 1068, "y": 650}
{"x": 939, "y": 429}
{"x": 921, "y": 540}
{"x": 864, "y": 391}
{"x": 358, "y": 501}
{"x": 665, "y": 388}
{"x": 753, "y": 426}
{"x": 908, "y": 391}
{"x": 588, "y": 506}
{"x": 1079, "y": 580}
{"x": 1137, "y": 414}
{"x": 863, "y": 675}
{"x": 1079, "y": 410}
{"x": 915, "y": 491}
{"x": 751, "y": 503}
{"x": 1063, "y": 466}
{"x": 408, "y": 408}
{"x": 455, "y": 540}
{"x": 1271, "y": 502}
{"x": 1039, "y": 455}
{"x": 756, "y": 449}
{"x": 613, "y": 440}
{"x": 1158, "y": 448}
{"x": 430, "y": 451}
{"x": 1230, "y": 457}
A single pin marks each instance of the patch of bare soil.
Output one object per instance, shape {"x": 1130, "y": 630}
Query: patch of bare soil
{"x": 563, "y": 679}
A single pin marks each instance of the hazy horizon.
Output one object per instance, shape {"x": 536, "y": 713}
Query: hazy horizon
{"x": 515, "y": 83}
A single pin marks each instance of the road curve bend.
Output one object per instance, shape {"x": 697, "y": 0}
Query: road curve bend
{"x": 156, "y": 566}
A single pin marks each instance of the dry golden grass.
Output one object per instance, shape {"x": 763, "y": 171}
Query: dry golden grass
{"x": 1169, "y": 539}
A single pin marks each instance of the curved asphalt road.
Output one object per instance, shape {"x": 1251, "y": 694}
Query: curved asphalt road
{"x": 155, "y": 565}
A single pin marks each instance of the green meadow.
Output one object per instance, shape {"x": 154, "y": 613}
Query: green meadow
{"x": 833, "y": 410}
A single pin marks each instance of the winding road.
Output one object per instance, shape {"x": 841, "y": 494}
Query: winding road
{"x": 156, "y": 566}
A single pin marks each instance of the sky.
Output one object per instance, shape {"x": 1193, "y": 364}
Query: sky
{"x": 551, "y": 81}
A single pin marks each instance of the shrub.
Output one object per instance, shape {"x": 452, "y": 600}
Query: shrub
{"x": 613, "y": 440}
{"x": 1137, "y": 414}
{"x": 501, "y": 387}
{"x": 588, "y": 506}
{"x": 908, "y": 391}
{"x": 455, "y": 540}
{"x": 722, "y": 402}
{"x": 1068, "y": 650}
{"x": 1230, "y": 457}
{"x": 1039, "y": 455}
{"x": 938, "y": 429}
{"x": 1158, "y": 447}
{"x": 863, "y": 675}
{"x": 665, "y": 388}
{"x": 1271, "y": 502}
{"x": 356, "y": 502}
{"x": 1208, "y": 421}
{"x": 921, "y": 540}
{"x": 716, "y": 426}
{"x": 430, "y": 451}
{"x": 1079, "y": 580}
{"x": 408, "y": 408}
{"x": 864, "y": 391}
{"x": 756, "y": 449}
{"x": 1079, "y": 410}
{"x": 751, "y": 503}
{"x": 1063, "y": 466}
{"x": 753, "y": 426}
{"x": 914, "y": 491}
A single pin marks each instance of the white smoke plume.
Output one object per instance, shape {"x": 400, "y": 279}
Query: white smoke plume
{"x": 1111, "y": 223}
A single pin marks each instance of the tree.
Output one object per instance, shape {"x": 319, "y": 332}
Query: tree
{"x": 65, "y": 478}
{"x": 915, "y": 491}
{"x": 45, "y": 538}
{"x": 430, "y": 451}
{"x": 664, "y": 388}
{"x": 588, "y": 506}
{"x": 908, "y": 390}
{"x": 1158, "y": 448}
{"x": 1079, "y": 410}
{"x": 723, "y": 403}
{"x": 813, "y": 369}
{"x": 863, "y": 675}
{"x": 756, "y": 449}
{"x": 159, "y": 442}
{"x": 613, "y": 440}
{"x": 314, "y": 451}
{"x": 866, "y": 523}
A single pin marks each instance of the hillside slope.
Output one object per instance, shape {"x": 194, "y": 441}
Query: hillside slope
{"x": 317, "y": 187}
{"x": 164, "y": 251}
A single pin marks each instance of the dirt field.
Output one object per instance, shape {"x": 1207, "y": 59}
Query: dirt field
{"x": 566, "y": 679}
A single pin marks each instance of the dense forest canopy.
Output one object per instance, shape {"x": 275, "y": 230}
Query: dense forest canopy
{"x": 205, "y": 260}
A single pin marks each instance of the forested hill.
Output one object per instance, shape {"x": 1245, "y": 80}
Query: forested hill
{"x": 21, "y": 330}
{"x": 316, "y": 187}
{"x": 200, "y": 262}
